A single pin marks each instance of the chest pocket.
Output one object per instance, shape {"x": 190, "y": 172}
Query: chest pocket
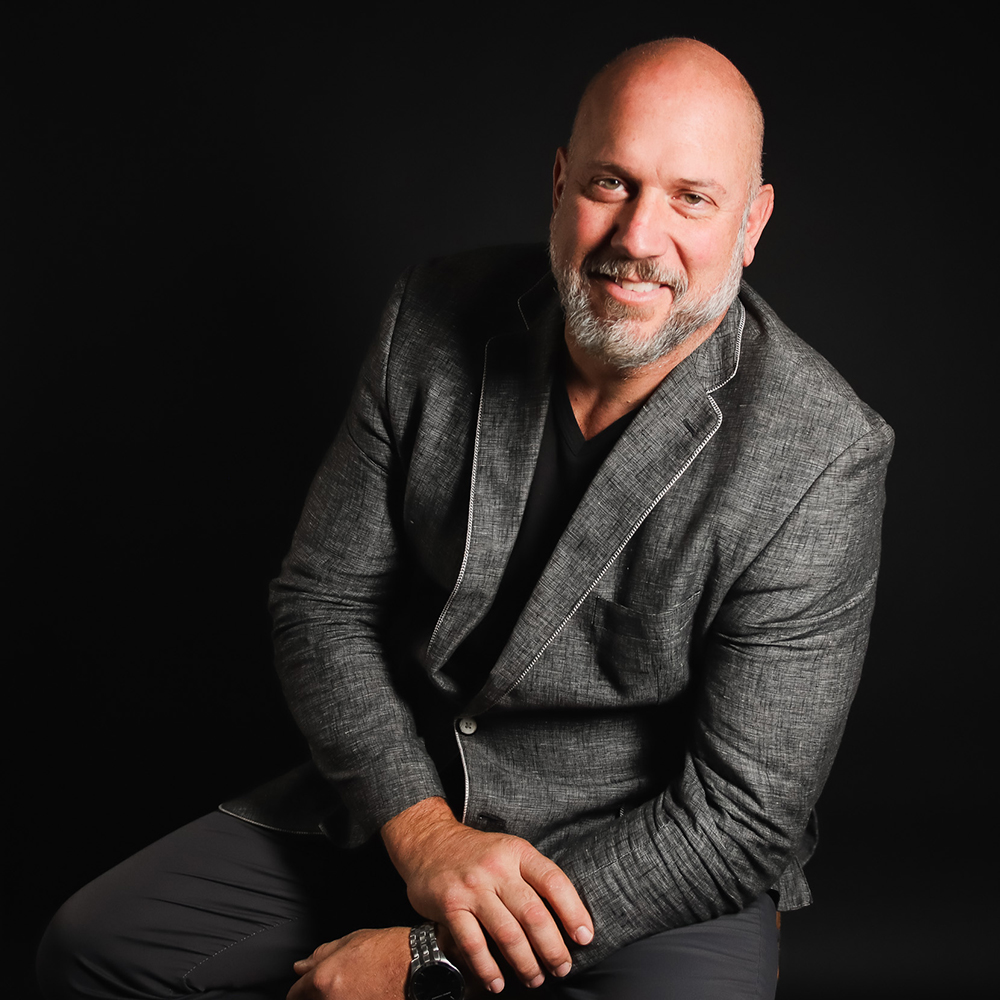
{"x": 643, "y": 655}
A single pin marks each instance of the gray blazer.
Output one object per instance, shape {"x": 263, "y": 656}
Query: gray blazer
{"x": 669, "y": 704}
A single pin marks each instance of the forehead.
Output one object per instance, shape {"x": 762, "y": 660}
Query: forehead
{"x": 666, "y": 119}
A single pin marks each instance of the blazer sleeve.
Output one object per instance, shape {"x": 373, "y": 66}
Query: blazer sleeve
{"x": 777, "y": 674}
{"x": 332, "y": 605}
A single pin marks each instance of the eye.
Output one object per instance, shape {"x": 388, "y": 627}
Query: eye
{"x": 693, "y": 199}
{"x": 608, "y": 188}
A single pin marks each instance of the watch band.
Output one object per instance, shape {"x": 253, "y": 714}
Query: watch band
{"x": 432, "y": 976}
{"x": 424, "y": 944}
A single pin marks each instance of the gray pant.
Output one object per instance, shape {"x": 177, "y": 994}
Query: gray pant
{"x": 221, "y": 908}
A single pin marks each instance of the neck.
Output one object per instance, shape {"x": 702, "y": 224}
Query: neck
{"x": 600, "y": 393}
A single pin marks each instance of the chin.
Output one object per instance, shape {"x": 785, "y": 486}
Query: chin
{"x": 609, "y": 310}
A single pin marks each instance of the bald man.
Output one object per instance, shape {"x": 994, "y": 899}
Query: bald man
{"x": 572, "y": 620}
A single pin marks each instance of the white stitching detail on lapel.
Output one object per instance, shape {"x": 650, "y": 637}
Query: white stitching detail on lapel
{"x": 472, "y": 503}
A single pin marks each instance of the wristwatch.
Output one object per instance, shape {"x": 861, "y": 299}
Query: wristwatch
{"x": 432, "y": 976}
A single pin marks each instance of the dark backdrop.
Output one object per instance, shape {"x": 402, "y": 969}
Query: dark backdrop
{"x": 207, "y": 206}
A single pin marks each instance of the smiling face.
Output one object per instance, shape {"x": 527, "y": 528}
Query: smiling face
{"x": 657, "y": 207}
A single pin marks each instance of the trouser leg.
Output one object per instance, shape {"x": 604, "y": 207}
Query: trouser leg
{"x": 219, "y": 908}
{"x": 734, "y": 957}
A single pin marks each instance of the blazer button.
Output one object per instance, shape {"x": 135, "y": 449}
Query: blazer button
{"x": 467, "y": 726}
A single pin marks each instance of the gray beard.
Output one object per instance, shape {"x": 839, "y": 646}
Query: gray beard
{"x": 615, "y": 338}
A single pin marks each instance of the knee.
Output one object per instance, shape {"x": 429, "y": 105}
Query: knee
{"x": 55, "y": 957}
{"x": 76, "y": 957}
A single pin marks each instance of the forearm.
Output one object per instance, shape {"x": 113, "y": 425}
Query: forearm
{"x": 658, "y": 868}
{"x": 361, "y": 734}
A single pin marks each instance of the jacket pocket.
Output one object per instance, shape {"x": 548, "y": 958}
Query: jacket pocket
{"x": 644, "y": 655}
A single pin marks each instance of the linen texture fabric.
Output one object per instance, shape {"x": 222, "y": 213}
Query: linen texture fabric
{"x": 666, "y": 711}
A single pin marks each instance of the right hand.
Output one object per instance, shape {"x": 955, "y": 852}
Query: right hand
{"x": 473, "y": 882}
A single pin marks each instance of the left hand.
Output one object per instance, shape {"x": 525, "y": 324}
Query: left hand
{"x": 363, "y": 965}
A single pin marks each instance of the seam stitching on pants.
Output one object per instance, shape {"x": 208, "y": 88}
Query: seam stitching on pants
{"x": 232, "y": 944}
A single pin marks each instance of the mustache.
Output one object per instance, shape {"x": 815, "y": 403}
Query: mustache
{"x": 635, "y": 269}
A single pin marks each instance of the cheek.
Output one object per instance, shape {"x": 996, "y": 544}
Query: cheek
{"x": 709, "y": 255}
{"x": 579, "y": 229}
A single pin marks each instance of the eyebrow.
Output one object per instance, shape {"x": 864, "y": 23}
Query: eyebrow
{"x": 704, "y": 184}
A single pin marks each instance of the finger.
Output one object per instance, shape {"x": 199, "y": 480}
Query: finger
{"x": 468, "y": 938}
{"x": 553, "y": 885}
{"x": 503, "y": 926}
{"x": 542, "y": 939}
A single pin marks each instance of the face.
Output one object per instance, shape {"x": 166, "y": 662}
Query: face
{"x": 652, "y": 220}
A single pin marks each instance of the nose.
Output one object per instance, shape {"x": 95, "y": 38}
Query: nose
{"x": 642, "y": 227}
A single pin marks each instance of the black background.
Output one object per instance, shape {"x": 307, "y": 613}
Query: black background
{"x": 205, "y": 208}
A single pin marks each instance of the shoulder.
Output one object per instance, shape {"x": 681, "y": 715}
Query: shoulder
{"x": 444, "y": 311}
{"x": 486, "y": 278}
{"x": 785, "y": 386}
{"x": 787, "y": 419}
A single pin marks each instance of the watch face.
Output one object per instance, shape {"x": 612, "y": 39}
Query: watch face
{"x": 437, "y": 982}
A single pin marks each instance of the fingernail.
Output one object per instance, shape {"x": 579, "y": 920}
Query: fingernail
{"x": 563, "y": 969}
{"x": 584, "y": 935}
{"x": 536, "y": 982}
{"x": 496, "y": 986}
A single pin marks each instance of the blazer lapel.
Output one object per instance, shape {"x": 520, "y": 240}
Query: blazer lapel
{"x": 660, "y": 445}
{"x": 517, "y": 380}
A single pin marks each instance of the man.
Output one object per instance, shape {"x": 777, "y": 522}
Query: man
{"x": 575, "y": 611}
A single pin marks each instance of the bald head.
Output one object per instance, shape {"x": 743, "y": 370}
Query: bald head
{"x": 672, "y": 67}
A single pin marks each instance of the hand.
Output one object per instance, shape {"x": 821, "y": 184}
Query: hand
{"x": 364, "y": 965}
{"x": 470, "y": 882}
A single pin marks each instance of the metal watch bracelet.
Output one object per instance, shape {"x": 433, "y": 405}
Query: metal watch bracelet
{"x": 432, "y": 976}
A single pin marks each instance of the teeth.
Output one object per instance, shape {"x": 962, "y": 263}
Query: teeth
{"x": 639, "y": 286}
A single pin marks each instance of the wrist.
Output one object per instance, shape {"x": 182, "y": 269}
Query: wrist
{"x": 406, "y": 833}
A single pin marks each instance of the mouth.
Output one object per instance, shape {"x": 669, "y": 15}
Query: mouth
{"x": 630, "y": 289}
{"x": 638, "y": 286}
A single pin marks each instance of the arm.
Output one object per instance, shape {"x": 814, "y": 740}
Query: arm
{"x": 776, "y": 676}
{"x": 330, "y": 607}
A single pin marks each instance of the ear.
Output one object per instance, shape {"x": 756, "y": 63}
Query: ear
{"x": 760, "y": 212}
{"x": 559, "y": 176}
